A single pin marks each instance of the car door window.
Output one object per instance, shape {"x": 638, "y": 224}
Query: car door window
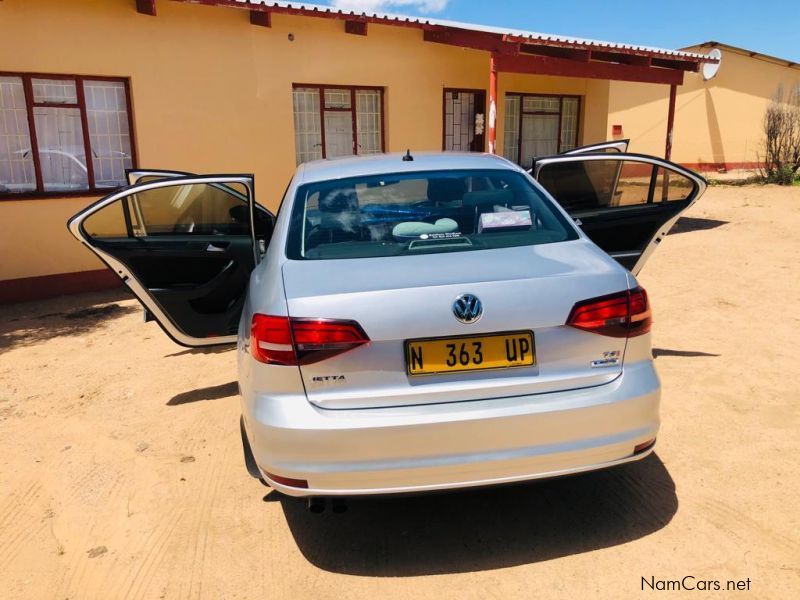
{"x": 671, "y": 187}
{"x": 610, "y": 183}
{"x": 198, "y": 209}
{"x": 625, "y": 203}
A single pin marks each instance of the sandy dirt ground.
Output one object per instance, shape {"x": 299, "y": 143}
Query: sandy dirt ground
{"x": 121, "y": 472}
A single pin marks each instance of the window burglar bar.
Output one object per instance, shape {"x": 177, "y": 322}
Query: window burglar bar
{"x": 337, "y": 120}
{"x": 50, "y": 121}
{"x": 539, "y": 125}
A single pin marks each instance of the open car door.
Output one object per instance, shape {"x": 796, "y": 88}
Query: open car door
{"x": 626, "y": 203}
{"x": 185, "y": 246}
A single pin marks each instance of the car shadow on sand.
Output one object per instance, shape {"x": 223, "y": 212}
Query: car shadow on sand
{"x": 687, "y": 224}
{"x": 490, "y": 528}
{"x": 34, "y": 322}
{"x": 681, "y": 353}
{"x": 214, "y": 392}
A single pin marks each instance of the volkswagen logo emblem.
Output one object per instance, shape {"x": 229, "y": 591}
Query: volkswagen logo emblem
{"x": 467, "y": 308}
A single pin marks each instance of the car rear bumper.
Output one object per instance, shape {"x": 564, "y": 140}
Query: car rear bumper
{"x": 456, "y": 445}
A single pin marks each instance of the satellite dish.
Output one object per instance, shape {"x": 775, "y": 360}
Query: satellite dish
{"x": 710, "y": 69}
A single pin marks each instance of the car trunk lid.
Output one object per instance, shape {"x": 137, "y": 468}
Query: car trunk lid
{"x": 395, "y": 299}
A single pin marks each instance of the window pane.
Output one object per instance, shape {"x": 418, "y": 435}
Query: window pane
{"x": 539, "y": 137}
{"x": 108, "y": 222}
{"x": 569, "y": 123}
{"x": 337, "y": 98}
{"x": 597, "y": 184}
{"x": 368, "y": 116}
{"x": 16, "y": 159}
{"x": 382, "y": 215}
{"x": 61, "y": 152}
{"x": 200, "y": 209}
{"x": 540, "y": 103}
{"x": 511, "y": 128}
{"x": 633, "y": 187}
{"x": 107, "y": 114}
{"x": 57, "y": 91}
{"x": 671, "y": 186}
{"x": 307, "y": 125}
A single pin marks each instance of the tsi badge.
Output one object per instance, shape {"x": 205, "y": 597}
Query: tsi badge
{"x": 609, "y": 359}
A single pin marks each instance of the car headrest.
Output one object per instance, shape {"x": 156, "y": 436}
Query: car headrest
{"x": 488, "y": 197}
{"x": 446, "y": 189}
{"x": 338, "y": 200}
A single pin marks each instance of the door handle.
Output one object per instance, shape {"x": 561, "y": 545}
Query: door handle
{"x": 217, "y": 246}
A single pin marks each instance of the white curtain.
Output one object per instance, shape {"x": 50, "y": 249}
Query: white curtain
{"x": 307, "y": 126}
{"x": 16, "y": 158}
{"x": 107, "y": 115}
{"x": 539, "y": 137}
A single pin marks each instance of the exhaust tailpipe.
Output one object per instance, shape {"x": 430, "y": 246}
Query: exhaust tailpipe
{"x": 316, "y": 505}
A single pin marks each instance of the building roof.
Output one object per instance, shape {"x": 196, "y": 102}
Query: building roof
{"x": 506, "y": 34}
{"x": 751, "y": 53}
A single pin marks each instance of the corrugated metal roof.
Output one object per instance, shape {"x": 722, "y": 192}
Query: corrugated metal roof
{"x": 513, "y": 35}
{"x": 751, "y": 53}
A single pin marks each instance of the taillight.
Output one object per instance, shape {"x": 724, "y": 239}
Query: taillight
{"x": 624, "y": 314}
{"x": 300, "y": 341}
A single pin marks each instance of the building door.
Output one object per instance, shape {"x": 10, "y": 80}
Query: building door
{"x": 339, "y": 133}
{"x": 464, "y": 120}
{"x": 539, "y": 125}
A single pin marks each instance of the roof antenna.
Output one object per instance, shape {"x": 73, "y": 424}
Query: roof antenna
{"x": 407, "y": 156}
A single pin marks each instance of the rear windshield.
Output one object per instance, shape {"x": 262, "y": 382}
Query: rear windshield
{"x": 421, "y": 213}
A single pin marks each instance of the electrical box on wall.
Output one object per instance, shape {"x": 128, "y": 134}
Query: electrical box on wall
{"x": 616, "y": 130}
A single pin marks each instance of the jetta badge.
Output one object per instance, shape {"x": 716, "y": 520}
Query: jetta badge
{"x": 467, "y": 308}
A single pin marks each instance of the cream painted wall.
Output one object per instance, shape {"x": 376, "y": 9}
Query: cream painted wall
{"x": 716, "y": 121}
{"x": 212, "y": 93}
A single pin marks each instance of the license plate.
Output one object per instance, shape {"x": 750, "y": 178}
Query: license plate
{"x": 472, "y": 353}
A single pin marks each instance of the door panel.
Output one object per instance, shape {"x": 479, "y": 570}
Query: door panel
{"x": 626, "y": 203}
{"x": 338, "y": 133}
{"x": 185, "y": 245}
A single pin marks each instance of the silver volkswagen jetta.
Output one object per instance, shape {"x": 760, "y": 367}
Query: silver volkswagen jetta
{"x": 413, "y": 323}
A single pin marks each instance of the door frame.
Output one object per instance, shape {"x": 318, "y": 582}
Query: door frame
{"x": 613, "y": 146}
{"x": 475, "y": 91}
{"x": 523, "y": 95}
